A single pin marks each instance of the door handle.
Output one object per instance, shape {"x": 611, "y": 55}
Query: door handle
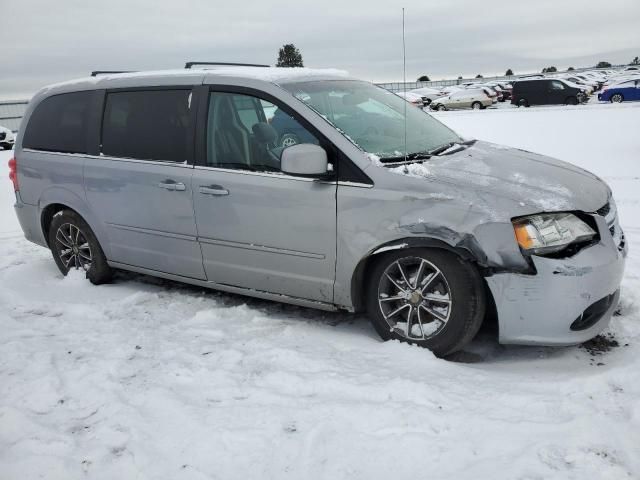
{"x": 213, "y": 190}
{"x": 172, "y": 185}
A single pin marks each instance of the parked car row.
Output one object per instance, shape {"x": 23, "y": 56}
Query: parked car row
{"x": 573, "y": 88}
{"x": 622, "y": 86}
{"x": 570, "y": 88}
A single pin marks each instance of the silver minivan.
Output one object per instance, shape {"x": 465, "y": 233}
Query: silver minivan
{"x": 367, "y": 206}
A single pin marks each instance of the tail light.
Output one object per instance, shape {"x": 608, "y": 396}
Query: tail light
{"x": 13, "y": 173}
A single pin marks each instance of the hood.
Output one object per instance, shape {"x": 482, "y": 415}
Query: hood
{"x": 532, "y": 180}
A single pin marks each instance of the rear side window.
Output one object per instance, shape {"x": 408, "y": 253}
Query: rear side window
{"x": 59, "y": 124}
{"x": 147, "y": 125}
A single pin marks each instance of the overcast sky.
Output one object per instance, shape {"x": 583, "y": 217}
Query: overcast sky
{"x": 49, "y": 41}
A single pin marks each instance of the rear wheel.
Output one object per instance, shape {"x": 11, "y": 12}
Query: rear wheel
{"x": 523, "y": 103}
{"x": 476, "y": 105}
{"x": 75, "y": 246}
{"x": 617, "y": 98}
{"x": 428, "y": 297}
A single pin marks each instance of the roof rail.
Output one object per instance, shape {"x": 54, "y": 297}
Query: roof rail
{"x": 95, "y": 73}
{"x": 226, "y": 64}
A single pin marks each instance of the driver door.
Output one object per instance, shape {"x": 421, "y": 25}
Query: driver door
{"x": 259, "y": 228}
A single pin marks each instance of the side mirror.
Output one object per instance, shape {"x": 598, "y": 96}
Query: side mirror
{"x": 305, "y": 160}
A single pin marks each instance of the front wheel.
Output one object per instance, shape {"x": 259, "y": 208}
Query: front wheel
{"x": 428, "y": 297}
{"x": 441, "y": 108}
{"x": 75, "y": 246}
{"x": 289, "y": 140}
{"x": 571, "y": 101}
{"x": 617, "y": 98}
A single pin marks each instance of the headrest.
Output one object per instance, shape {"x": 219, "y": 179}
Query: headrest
{"x": 264, "y": 133}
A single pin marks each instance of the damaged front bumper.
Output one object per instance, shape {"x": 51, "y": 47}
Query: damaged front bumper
{"x": 568, "y": 300}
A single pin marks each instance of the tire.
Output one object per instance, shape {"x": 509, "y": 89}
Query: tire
{"x": 74, "y": 245}
{"x": 571, "y": 101}
{"x": 289, "y": 139}
{"x": 6, "y": 146}
{"x": 476, "y": 105}
{"x": 523, "y": 103}
{"x": 441, "y": 108}
{"x": 447, "y": 282}
{"x": 617, "y": 98}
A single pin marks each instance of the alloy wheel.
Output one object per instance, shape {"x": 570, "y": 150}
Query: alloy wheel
{"x": 414, "y": 298}
{"x": 288, "y": 141}
{"x": 73, "y": 248}
{"x": 617, "y": 98}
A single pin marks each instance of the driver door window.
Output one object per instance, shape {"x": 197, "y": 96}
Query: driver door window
{"x": 555, "y": 85}
{"x": 248, "y": 133}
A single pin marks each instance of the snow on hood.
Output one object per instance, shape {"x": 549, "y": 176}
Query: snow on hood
{"x": 527, "y": 178}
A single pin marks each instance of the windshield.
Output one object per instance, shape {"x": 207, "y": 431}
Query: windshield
{"x": 373, "y": 118}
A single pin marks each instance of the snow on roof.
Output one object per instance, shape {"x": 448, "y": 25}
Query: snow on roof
{"x": 268, "y": 74}
{"x": 276, "y": 74}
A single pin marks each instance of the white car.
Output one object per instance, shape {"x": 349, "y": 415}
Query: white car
{"x": 619, "y": 79}
{"x": 412, "y": 98}
{"x": 7, "y": 138}
{"x": 430, "y": 93}
{"x": 575, "y": 81}
{"x": 471, "y": 98}
{"x": 450, "y": 89}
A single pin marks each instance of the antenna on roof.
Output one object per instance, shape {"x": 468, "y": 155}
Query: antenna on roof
{"x": 226, "y": 64}
{"x": 95, "y": 73}
{"x": 404, "y": 82}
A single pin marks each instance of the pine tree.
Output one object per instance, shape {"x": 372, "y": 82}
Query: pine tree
{"x": 635, "y": 61}
{"x": 289, "y": 56}
{"x": 508, "y": 73}
{"x": 424, "y": 78}
{"x": 603, "y": 65}
{"x": 479, "y": 76}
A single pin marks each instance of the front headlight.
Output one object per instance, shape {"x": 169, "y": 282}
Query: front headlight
{"x": 550, "y": 232}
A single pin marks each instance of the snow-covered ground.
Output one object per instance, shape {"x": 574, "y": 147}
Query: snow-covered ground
{"x": 150, "y": 379}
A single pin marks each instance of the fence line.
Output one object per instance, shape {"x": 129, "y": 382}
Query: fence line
{"x": 400, "y": 86}
{"x": 11, "y": 112}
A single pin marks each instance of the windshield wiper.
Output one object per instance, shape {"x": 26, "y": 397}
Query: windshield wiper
{"x": 419, "y": 156}
{"x": 409, "y": 158}
{"x": 443, "y": 148}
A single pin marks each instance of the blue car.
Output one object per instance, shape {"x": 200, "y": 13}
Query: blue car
{"x": 623, "y": 92}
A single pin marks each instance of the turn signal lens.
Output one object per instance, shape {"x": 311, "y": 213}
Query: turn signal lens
{"x": 524, "y": 237}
